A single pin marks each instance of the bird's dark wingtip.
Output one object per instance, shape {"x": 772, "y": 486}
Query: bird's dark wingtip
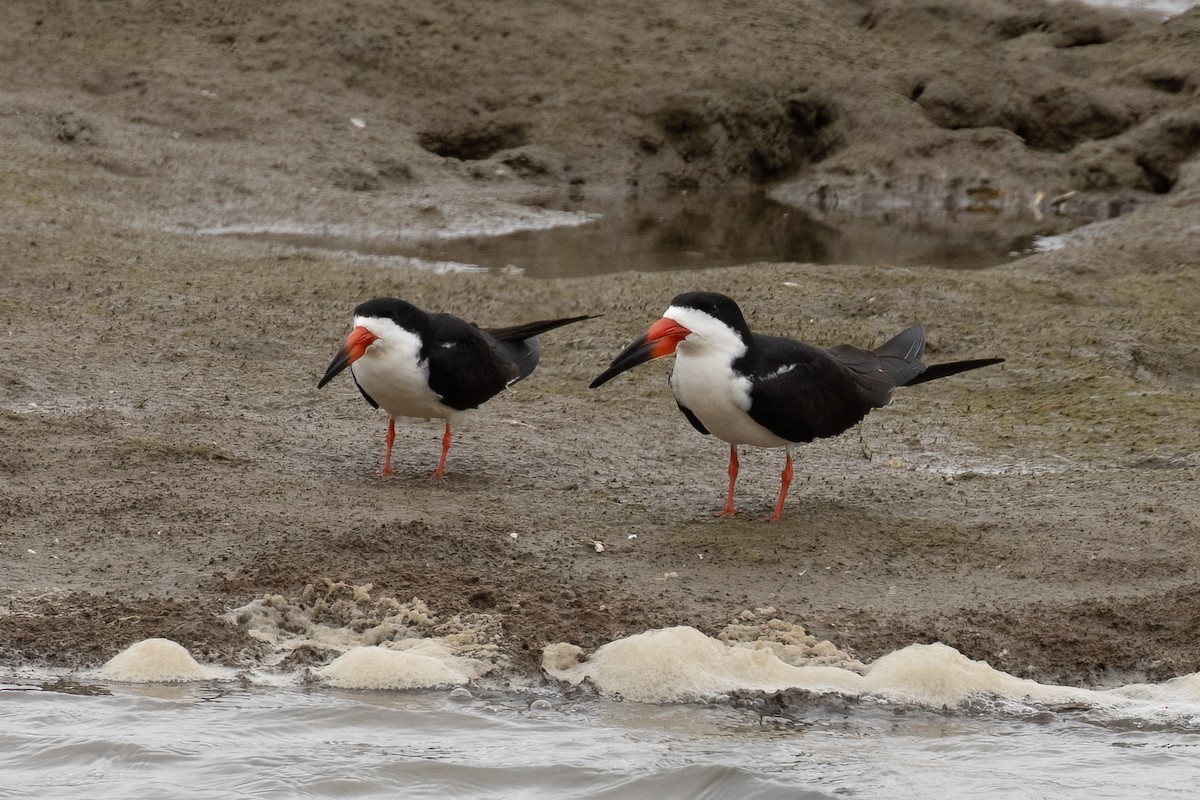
{"x": 519, "y": 333}
{"x": 945, "y": 370}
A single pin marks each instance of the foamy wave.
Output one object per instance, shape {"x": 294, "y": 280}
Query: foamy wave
{"x": 416, "y": 664}
{"x": 675, "y": 665}
{"x": 159, "y": 661}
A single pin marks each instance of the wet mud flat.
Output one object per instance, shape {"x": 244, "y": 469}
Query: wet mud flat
{"x": 1037, "y": 517}
{"x": 168, "y": 458}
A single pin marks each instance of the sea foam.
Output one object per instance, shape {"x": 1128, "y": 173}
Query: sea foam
{"x": 158, "y": 661}
{"x": 681, "y": 664}
{"x": 417, "y": 664}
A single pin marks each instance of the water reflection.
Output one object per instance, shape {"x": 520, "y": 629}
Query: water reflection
{"x": 694, "y": 231}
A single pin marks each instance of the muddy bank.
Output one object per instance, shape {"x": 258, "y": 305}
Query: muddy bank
{"x": 168, "y": 458}
{"x": 415, "y": 118}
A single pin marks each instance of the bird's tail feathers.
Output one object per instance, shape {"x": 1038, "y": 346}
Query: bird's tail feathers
{"x": 900, "y": 356}
{"x": 906, "y": 345}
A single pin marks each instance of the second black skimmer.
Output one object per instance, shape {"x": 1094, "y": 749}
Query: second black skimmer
{"x": 768, "y": 391}
{"x": 412, "y": 363}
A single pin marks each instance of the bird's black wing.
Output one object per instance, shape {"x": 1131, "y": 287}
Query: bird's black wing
{"x": 466, "y": 367}
{"x": 363, "y": 391}
{"x": 800, "y": 392}
{"x": 526, "y": 330}
{"x": 520, "y": 343}
{"x": 692, "y": 418}
{"x": 946, "y": 369}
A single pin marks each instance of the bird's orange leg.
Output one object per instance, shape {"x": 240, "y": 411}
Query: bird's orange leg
{"x": 784, "y": 483}
{"x": 441, "y": 467}
{"x": 728, "y": 511}
{"x": 387, "y": 457}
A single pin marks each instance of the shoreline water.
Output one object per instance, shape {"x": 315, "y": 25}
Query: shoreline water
{"x": 211, "y": 739}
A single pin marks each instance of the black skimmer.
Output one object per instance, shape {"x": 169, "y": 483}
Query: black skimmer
{"x": 768, "y": 391}
{"x": 434, "y": 366}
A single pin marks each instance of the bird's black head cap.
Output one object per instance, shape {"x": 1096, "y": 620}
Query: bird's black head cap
{"x": 716, "y": 305}
{"x": 401, "y": 312}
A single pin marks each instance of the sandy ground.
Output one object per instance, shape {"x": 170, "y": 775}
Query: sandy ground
{"x": 167, "y": 457}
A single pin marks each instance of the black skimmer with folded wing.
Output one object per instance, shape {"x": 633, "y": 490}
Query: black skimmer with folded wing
{"x": 413, "y": 363}
{"x": 769, "y": 391}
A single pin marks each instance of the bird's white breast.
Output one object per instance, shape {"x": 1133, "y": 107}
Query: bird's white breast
{"x": 704, "y": 381}
{"x": 393, "y": 373}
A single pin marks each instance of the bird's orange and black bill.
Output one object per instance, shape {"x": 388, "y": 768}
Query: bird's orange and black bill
{"x": 356, "y": 344}
{"x": 659, "y": 341}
